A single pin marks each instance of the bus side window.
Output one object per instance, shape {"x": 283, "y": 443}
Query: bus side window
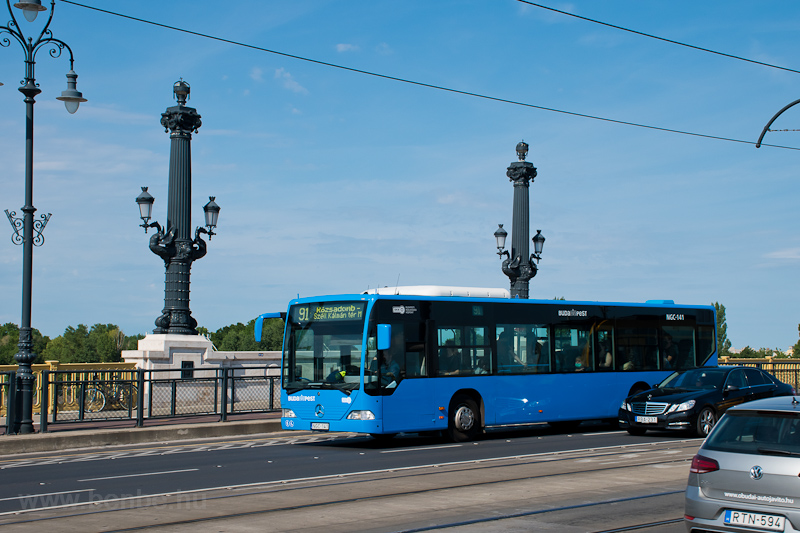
{"x": 574, "y": 348}
{"x": 537, "y": 349}
{"x": 605, "y": 349}
{"x": 637, "y": 348}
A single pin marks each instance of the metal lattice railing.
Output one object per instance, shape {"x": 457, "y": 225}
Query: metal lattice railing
{"x": 92, "y": 395}
{"x": 7, "y": 388}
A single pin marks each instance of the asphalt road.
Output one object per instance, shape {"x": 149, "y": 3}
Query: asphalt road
{"x": 593, "y": 480}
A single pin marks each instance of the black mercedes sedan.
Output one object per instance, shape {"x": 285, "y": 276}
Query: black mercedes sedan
{"x": 695, "y": 399}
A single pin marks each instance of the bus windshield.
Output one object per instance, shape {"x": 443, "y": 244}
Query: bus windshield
{"x": 323, "y": 346}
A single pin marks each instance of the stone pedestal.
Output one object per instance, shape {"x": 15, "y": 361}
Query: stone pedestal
{"x": 173, "y": 352}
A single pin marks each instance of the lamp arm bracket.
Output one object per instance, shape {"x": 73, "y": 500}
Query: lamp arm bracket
{"x": 160, "y": 243}
{"x": 766, "y": 128}
{"x": 199, "y": 248}
{"x": 18, "y": 224}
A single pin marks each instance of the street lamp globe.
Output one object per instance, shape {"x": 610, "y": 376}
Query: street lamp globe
{"x": 71, "y": 97}
{"x": 145, "y": 201}
{"x": 211, "y": 210}
{"x": 30, "y": 8}
{"x": 500, "y": 235}
{"x": 538, "y": 242}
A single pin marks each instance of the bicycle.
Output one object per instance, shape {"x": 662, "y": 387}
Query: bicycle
{"x": 111, "y": 394}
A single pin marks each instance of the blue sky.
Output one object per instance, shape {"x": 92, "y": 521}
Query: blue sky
{"x": 333, "y": 182}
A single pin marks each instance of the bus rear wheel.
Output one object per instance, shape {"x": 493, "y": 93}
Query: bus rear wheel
{"x": 465, "y": 421}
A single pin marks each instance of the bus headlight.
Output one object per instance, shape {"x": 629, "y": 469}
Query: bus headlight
{"x": 288, "y": 413}
{"x": 361, "y": 415}
{"x": 685, "y": 406}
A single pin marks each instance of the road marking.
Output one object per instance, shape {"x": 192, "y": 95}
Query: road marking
{"x": 422, "y": 449}
{"x": 140, "y": 475}
{"x": 28, "y": 496}
{"x": 653, "y": 447}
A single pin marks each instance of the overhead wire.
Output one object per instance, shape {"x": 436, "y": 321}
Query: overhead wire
{"x": 418, "y": 83}
{"x": 651, "y": 36}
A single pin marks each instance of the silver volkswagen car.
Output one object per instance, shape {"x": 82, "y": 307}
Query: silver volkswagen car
{"x": 746, "y": 475}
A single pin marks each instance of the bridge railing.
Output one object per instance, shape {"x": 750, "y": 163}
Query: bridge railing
{"x": 8, "y": 382}
{"x": 94, "y": 393}
{"x": 105, "y": 370}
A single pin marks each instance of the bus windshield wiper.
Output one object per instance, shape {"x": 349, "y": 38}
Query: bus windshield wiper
{"x": 775, "y": 451}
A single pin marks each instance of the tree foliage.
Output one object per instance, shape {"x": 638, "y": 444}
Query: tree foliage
{"x": 102, "y": 343}
{"x": 9, "y": 344}
{"x": 761, "y": 353}
{"x": 796, "y": 348}
{"x": 241, "y": 337}
{"x": 723, "y": 344}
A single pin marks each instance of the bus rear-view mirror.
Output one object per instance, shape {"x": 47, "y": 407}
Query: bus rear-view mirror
{"x": 384, "y": 336}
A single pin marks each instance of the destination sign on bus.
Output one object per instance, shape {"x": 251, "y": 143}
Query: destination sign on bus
{"x": 327, "y": 312}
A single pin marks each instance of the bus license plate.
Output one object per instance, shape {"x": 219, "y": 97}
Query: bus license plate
{"x": 647, "y": 419}
{"x": 320, "y": 426}
{"x": 757, "y": 520}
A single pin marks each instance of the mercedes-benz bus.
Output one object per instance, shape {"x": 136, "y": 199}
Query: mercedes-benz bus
{"x": 458, "y": 360}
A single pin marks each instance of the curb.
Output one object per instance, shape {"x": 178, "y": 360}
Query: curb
{"x": 49, "y": 442}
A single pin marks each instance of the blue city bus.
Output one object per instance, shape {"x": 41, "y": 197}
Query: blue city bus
{"x": 455, "y": 360}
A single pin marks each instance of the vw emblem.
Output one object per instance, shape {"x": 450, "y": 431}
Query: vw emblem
{"x": 756, "y": 473}
{"x": 320, "y": 412}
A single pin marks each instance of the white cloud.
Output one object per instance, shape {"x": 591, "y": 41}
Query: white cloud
{"x": 384, "y": 49}
{"x": 289, "y": 82}
{"x": 256, "y": 74}
{"x": 787, "y": 253}
{"x": 342, "y": 47}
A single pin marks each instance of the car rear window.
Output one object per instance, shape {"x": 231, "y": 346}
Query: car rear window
{"x": 757, "y": 432}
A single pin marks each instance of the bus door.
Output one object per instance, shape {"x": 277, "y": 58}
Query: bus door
{"x": 408, "y": 397}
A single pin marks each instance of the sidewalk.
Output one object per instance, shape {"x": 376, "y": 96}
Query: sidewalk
{"x": 88, "y": 436}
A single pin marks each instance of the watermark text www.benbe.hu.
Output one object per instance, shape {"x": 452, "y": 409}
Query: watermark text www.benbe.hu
{"x": 175, "y": 500}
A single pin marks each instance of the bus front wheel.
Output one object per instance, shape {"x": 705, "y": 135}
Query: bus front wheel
{"x": 465, "y": 421}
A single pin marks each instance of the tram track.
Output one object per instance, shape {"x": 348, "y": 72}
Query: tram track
{"x": 369, "y": 489}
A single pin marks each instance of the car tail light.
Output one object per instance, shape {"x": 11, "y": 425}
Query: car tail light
{"x": 703, "y": 465}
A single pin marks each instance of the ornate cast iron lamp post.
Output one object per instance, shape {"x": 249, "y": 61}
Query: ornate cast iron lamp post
{"x": 518, "y": 266}
{"x": 174, "y": 243}
{"x": 32, "y": 229}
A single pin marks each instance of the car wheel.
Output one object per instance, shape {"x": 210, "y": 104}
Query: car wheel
{"x": 465, "y": 421}
{"x": 637, "y": 432}
{"x": 705, "y": 422}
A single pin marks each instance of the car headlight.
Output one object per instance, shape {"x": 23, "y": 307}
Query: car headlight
{"x": 625, "y": 406}
{"x": 361, "y": 415}
{"x": 685, "y": 406}
{"x": 288, "y": 413}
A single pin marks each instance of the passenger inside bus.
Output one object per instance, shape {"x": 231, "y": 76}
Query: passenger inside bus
{"x": 507, "y": 359}
{"x": 452, "y": 361}
{"x": 604, "y": 358}
{"x": 389, "y": 367}
{"x": 670, "y": 352}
